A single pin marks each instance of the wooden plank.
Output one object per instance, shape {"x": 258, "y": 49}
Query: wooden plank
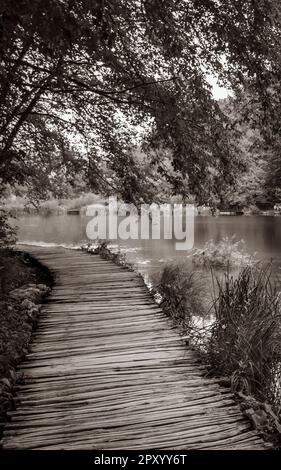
{"x": 106, "y": 370}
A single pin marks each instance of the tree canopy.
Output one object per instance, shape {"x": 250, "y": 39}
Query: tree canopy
{"x": 83, "y": 82}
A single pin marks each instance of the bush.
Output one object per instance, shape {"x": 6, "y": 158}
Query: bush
{"x": 82, "y": 201}
{"x": 52, "y": 206}
{"x": 181, "y": 293}
{"x": 226, "y": 253}
{"x": 245, "y": 340}
{"x": 7, "y": 233}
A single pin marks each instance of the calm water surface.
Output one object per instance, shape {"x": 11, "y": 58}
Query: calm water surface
{"x": 261, "y": 234}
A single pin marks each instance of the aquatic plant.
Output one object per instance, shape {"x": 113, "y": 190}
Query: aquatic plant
{"x": 245, "y": 340}
{"x": 227, "y": 252}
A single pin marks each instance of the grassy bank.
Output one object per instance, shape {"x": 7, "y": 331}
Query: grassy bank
{"x": 23, "y": 285}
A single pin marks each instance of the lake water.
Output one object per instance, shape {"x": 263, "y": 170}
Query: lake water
{"x": 261, "y": 234}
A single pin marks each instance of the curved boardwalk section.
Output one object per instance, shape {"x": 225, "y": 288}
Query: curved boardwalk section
{"x": 107, "y": 371}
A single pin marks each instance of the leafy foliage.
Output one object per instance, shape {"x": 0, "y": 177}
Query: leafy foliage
{"x": 7, "y": 233}
{"x": 249, "y": 188}
{"x": 79, "y": 79}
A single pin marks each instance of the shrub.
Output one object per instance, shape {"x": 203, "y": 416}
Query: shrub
{"x": 7, "y": 233}
{"x": 245, "y": 340}
{"x": 252, "y": 209}
{"x": 82, "y": 201}
{"x": 52, "y": 206}
{"x": 181, "y": 292}
{"x": 227, "y": 252}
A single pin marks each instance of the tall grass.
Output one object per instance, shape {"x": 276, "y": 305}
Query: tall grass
{"x": 242, "y": 339}
{"x": 181, "y": 293}
{"x": 245, "y": 340}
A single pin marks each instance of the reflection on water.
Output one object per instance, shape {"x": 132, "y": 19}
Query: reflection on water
{"x": 262, "y": 235}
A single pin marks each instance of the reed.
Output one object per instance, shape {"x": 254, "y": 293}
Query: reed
{"x": 245, "y": 339}
{"x": 242, "y": 337}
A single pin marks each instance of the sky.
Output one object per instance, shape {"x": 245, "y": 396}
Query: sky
{"x": 218, "y": 91}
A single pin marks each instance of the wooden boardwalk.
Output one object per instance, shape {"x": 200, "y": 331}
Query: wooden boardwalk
{"x": 107, "y": 371}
